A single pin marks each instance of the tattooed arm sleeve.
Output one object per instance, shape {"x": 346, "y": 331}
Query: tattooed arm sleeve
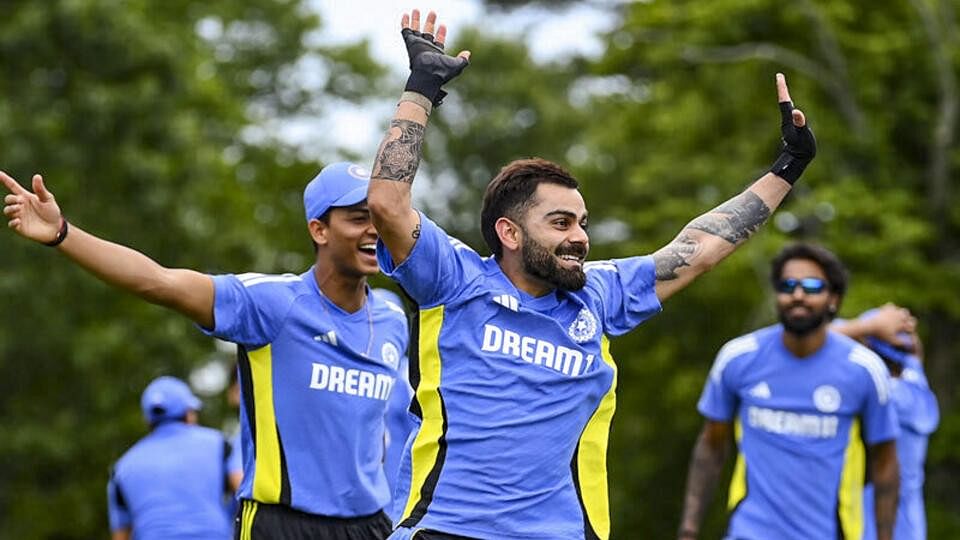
{"x": 710, "y": 238}
{"x": 388, "y": 196}
{"x": 706, "y": 464}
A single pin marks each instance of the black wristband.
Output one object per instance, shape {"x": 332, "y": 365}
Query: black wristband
{"x": 789, "y": 167}
{"x": 61, "y": 234}
{"x": 427, "y": 85}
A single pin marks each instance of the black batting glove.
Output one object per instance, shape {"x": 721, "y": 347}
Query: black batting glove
{"x": 430, "y": 67}
{"x": 799, "y": 146}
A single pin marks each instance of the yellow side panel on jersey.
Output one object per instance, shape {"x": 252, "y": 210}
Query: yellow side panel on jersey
{"x": 266, "y": 475}
{"x": 426, "y": 446}
{"x": 738, "y": 483}
{"x": 592, "y": 454}
{"x": 852, "y": 479}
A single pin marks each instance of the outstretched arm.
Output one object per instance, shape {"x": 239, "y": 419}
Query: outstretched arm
{"x": 399, "y": 155}
{"x": 36, "y": 216}
{"x": 710, "y": 238}
{"x": 705, "y": 466}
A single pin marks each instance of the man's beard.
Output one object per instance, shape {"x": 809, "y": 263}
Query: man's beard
{"x": 539, "y": 262}
{"x": 803, "y": 324}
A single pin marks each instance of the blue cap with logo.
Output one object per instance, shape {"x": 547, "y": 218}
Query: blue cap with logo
{"x": 167, "y": 398}
{"x": 338, "y": 184}
{"x": 897, "y": 355}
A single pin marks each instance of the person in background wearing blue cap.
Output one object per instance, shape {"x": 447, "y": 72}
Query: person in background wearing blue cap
{"x": 918, "y": 416}
{"x": 811, "y": 412}
{"x": 170, "y": 484}
{"x": 318, "y": 356}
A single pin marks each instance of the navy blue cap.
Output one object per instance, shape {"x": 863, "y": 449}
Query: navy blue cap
{"x": 338, "y": 184}
{"x": 167, "y": 398}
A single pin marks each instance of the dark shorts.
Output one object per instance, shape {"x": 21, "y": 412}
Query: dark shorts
{"x": 259, "y": 521}
{"x": 407, "y": 533}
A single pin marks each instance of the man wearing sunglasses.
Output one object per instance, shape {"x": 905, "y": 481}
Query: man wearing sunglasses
{"x": 810, "y": 408}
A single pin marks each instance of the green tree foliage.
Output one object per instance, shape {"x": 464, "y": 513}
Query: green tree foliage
{"x": 146, "y": 120}
{"x": 678, "y": 114}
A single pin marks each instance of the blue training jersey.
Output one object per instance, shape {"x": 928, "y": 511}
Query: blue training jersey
{"x": 234, "y": 465}
{"x": 314, "y": 383}
{"x": 399, "y": 421}
{"x": 514, "y": 394}
{"x": 918, "y": 416}
{"x": 170, "y": 485}
{"x": 801, "y": 425}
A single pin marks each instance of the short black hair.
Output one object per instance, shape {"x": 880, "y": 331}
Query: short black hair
{"x": 510, "y": 194}
{"x": 836, "y": 272}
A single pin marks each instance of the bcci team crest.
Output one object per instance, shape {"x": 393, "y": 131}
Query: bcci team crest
{"x": 389, "y": 355}
{"x": 826, "y": 399}
{"x": 357, "y": 171}
{"x": 584, "y": 327}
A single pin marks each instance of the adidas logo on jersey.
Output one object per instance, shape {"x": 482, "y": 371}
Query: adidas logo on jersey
{"x": 330, "y": 338}
{"x": 510, "y": 302}
{"x": 761, "y": 390}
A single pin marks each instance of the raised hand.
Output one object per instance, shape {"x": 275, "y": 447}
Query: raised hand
{"x": 894, "y": 325}
{"x": 430, "y": 67}
{"x": 32, "y": 215}
{"x": 799, "y": 144}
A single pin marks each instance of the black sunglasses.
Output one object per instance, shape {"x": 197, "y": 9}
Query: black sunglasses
{"x": 810, "y": 285}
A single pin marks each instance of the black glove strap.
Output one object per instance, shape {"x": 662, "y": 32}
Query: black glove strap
{"x": 427, "y": 85}
{"x": 789, "y": 167}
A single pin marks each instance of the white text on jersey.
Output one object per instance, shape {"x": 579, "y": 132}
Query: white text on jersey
{"x": 354, "y": 382}
{"x": 790, "y": 423}
{"x": 535, "y": 351}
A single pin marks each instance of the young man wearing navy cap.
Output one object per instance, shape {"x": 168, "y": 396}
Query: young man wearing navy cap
{"x": 811, "y": 411}
{"x": 318, "y": 356}
{"x": 515, "y": 386}
{"x": 170, "y": 484}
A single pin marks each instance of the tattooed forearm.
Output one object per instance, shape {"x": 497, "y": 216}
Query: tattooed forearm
{"x": 735, "y": 220}
{"x": 673, "y": 256}
{"x": 399, "y": 155}
{"x": 705, "y": 468}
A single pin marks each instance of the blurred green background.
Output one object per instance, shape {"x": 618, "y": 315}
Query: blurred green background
{"x": 147, "y": 121}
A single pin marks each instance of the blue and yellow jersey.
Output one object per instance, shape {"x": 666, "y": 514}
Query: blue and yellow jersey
{"x": 918, "y": 415}
{"x": 802, "y": 425}
{"x": 170, "y": 485}
{"x": 514, "y": 394}
{"x": 314, "y": 382}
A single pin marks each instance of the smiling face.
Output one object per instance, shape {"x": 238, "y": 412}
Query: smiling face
{"x": 347, "y": 241}
{"x": 802, "y": 312}
{"x": 554, "y": 240}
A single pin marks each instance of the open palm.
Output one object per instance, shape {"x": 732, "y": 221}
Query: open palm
{"x": 33, "y": 215}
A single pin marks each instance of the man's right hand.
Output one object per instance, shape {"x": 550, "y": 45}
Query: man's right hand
{"x": 32, "y": 215}
{"x": 430, "y": 67}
